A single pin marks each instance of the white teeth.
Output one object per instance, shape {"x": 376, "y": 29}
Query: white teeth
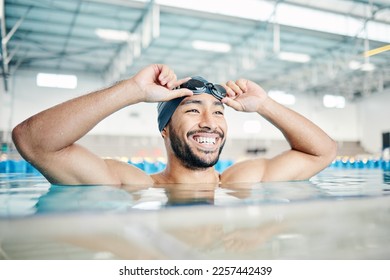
{"x": 207, "y": 140}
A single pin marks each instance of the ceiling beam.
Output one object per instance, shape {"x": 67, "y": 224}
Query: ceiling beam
{"x": 5, "y": 38}
{"x": 3, "y": 49}
{"x": 70, "y": 30}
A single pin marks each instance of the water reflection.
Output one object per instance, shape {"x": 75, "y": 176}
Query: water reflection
{"x": 26, "y": 196}
{"x": 111, "y": 198}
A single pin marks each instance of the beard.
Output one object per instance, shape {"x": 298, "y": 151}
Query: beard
{"x": 187, "y": 156}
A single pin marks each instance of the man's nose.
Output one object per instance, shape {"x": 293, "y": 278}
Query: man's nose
{"x": 207, "y": 121}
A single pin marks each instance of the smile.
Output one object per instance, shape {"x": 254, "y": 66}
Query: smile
{"x": 206, "y": 140}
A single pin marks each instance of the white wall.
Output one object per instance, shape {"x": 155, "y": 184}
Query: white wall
{"x": 374, "y": 118}
{"x": 25, "y": 98}
{"x": 31, "y": 99}
{"x": 341, "y": 124}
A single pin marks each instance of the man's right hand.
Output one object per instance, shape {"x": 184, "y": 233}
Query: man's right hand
{"x": 156, "y": 83}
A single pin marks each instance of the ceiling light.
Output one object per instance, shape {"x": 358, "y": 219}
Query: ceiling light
{"x": 114, "y": 35}
{"x": 282, "y": 97}
{"x": 294, "y": 57}
{"x": 354, "y": 65}
{"x": 251, "y": 9}
{"x": 56, "y": 80}
{"x": 211, "y": 46}
{"x": 333, "y": 101}
{"x": 367, "y": 67}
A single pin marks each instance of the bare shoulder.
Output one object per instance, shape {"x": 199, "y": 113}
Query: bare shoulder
{"x": 245, "y": 171}
{"x": 127, "y": 173}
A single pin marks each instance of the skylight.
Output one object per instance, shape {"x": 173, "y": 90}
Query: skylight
{"x": 114, "y": 35}
{"x": 288, "y": 14}
{"x": 211, "y": 46}
{"x": 294, "y": 57}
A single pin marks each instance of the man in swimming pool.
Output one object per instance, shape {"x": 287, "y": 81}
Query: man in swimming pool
{"x": 192, "y": 123}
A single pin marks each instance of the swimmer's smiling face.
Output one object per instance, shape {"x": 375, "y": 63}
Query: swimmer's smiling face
{"x": 197, "y": 131}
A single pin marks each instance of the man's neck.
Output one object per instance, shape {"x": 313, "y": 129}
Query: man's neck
{"x": 179, "y": 174}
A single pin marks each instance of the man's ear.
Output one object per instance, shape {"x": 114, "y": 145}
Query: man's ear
{"x": 164, "y": 132}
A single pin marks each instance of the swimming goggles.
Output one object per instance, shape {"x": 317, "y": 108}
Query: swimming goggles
{"x": 199, "y": 85}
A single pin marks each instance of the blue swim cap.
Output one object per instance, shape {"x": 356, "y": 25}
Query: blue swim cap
{"x": 166, "y": 109}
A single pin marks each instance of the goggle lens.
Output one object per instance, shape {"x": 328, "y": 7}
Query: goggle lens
{"x": 198, "y": 86}
{"x": 193, "y": 84}
{"x": 219, "y": 91}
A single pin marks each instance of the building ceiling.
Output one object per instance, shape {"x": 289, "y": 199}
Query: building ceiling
{"x": 61, "y": 37}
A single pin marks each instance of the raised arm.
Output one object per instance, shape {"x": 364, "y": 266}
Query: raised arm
{"x": 47, "y": 138}
{"x": 311, "y": 148}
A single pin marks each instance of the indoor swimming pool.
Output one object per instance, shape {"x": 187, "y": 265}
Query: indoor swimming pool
{"x": 338, "y": 214}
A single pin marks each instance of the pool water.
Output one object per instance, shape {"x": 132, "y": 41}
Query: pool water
{"x": 338, "y": 214}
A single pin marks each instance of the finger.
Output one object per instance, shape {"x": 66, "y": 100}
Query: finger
{"x": 234, "y": 87}
{"x": 229, "y": 91}
{"x": 171, "y": 81}
{"x": 242, "y": 83}
{"x": 183, "y": 92}
{"x": 164, "y": 75}
{"x": 232, "y": 103}
{"x": 175, "y": 83}
{"x": 169, "y": 77}
{"x": 182, "y": 81}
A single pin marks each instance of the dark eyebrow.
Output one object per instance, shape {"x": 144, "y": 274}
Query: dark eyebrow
{"x": 195, "y": 101}
{"x": 191, "y": 101}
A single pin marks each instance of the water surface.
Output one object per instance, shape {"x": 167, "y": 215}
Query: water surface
{"x": 338, "y": 214}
